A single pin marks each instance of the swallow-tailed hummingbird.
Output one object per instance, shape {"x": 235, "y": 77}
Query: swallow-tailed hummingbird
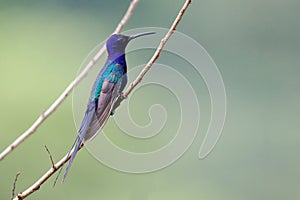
{"x": 107, "y": 88}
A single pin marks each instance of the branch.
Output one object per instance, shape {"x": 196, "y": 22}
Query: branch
{"x": 68, "y": 90}
{"x": 14, "y": 185}
{"x": 51, "y": 158}
{"x": 58, "y": 165}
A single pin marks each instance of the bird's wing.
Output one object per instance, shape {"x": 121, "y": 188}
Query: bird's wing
{"x": 104, "y": 104}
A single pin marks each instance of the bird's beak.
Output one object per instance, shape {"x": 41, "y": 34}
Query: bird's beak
{"x": 139, "y": 35}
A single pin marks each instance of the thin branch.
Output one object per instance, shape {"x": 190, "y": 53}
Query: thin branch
{"x": 14, "y": 185}
{"x": 158, "y": 50}
{"x": 68, "y": 90}
{"x": 59, "y": 164}
{"x": 51, "y": 159}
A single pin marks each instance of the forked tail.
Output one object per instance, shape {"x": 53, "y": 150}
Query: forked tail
{"x": 78, "y": 143}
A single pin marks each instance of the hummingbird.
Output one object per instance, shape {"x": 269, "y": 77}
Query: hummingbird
{"x": 107, "y": 89}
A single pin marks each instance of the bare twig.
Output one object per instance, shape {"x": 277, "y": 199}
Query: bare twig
{"x": 14, "y": 185}
{"x": 51, "y": 159}
{"x": 58, "y": 165}
{"x": 68, "y": 90}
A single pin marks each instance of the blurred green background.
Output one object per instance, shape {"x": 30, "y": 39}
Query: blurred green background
{"x": 256, "y": 46}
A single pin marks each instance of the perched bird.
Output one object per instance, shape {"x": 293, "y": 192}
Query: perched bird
{"x": 107, "y": 88}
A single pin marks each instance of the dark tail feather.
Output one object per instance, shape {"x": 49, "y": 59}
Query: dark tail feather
{"x": 64, "y": 163}
{"x": 88, "y": 117}
{"x": 79, "y": 142}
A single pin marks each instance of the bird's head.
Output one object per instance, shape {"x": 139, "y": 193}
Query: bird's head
{"x": 117, "y": 43}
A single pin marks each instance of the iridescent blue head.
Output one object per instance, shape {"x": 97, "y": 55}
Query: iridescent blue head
{"x": 117, "y": 43}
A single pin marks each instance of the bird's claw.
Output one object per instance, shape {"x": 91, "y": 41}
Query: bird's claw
{"x": 122, "y": 97}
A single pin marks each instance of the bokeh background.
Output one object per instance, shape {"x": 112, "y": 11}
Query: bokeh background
{"x": 256, "y": 46}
